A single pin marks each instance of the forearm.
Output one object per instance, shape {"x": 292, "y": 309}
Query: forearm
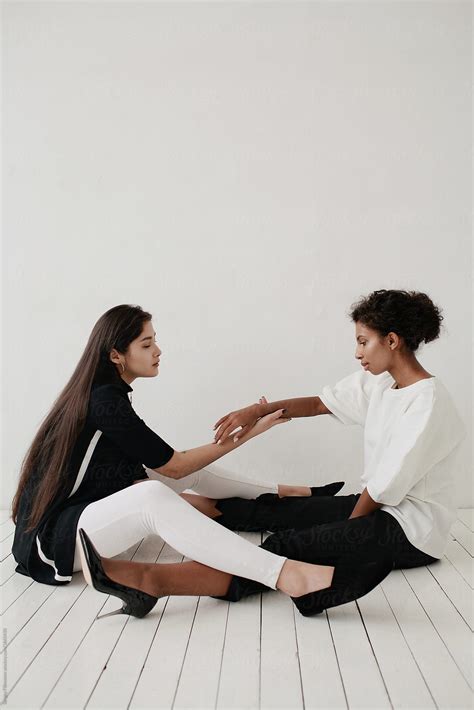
{"x": 195, "y": 459}
{"x": 364, "y": 506}
{"x": 295, "y": 407}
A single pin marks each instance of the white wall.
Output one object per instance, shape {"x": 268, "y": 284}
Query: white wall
{"x": 245, "y": 171}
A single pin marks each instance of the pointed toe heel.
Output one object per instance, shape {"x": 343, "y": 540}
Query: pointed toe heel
{"x": 136, "y": 602}
{"x": 330, "y": 489}
{"x": 351, "y": 580}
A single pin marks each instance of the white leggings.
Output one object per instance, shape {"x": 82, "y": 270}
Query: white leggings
{"x": 122, "y": 519}
{"x": 215, "y": 482}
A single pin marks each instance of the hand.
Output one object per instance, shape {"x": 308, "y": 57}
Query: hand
{"x": 267, "y": 422}
{"x": 244, "y": 418}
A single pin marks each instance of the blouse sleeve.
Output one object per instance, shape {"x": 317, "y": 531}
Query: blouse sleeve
{"x": 348, "y": 399}
{"x": 112, "y": 413}
{"x": 422, "y": 437}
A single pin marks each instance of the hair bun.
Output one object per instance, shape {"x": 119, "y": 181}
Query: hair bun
{"x": 410, "y": 314}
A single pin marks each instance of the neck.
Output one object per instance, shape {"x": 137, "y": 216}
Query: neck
{"x": 408, "y": 372}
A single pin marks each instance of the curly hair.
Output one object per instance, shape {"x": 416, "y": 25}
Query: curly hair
{"x": 412, "y": 315}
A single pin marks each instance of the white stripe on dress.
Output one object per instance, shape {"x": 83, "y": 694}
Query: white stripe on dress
{"x": 85, "y": 461}
{"x": 57, "y": 576}
{"x": 80, "y": 476}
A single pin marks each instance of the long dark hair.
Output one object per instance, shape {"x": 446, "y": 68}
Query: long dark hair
{"x": 48, "y": 454}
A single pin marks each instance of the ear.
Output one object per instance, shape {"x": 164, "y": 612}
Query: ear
{"x": 393, "y": 340}
{"x": 114, "y": 356}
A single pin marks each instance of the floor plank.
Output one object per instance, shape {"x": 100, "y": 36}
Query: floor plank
{"x": 118, "y": 678}
{"x": 466, "y": 516}
{"x": 449, "y": 624}
{"x": 240, "y": 667}
{"x": 57, "y": 632}
{"x": 405, "y": 684}
{"x": 455, "y": 587}
{"x": 357, "y": 659}
{"x": 319, "y": 663}
{"x": 447, "y": 684}
{"x": 280, "y": 669}
{"x": 461, "y": 560}
{"x": 464, "y": 536}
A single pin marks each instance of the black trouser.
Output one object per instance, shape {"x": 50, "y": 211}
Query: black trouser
{"x": 316, "y": 530}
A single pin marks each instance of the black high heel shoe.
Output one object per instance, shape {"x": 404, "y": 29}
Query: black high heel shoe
{"x": 330, "y": 489}
{"x": 355, "y": 575}
{"x": 137, "y": 603}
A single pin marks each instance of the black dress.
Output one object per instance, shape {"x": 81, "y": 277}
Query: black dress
{"x": 109, "y": 455}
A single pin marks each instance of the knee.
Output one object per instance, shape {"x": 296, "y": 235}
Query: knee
{"x": 154, "y": 492}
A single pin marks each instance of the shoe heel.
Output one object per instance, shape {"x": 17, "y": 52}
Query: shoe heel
{"x": 136, "y": 602}
{"x": 111, "y": 613}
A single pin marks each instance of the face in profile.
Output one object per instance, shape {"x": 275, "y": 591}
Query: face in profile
{"x": 143, "y": 354}
{"x": 374, "y": 351}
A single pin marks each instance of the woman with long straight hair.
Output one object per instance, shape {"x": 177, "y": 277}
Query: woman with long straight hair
{"x": 92, "y": 448}
{"x": 402, "y": 518}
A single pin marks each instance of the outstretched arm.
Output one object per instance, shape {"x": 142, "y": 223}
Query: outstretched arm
{"x": 182, "y": 463}
{"x": 246, "y": 417}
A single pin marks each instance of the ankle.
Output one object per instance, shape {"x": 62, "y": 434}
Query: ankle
{"x": 291, "y": 579}
{"x": 130, "y": 574}
{"x": 285, "y": 491}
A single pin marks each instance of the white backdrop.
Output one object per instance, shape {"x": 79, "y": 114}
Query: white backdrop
{"x": 244, "y": 171}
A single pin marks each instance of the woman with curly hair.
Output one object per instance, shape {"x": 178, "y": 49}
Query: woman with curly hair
{"x": 412, "y": 433}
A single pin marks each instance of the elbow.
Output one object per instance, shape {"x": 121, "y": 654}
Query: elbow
{"x": 174, "y": 468}
{"x": 386, "y": 496}
{"x": 319, "y": 407}
{"x": 169, "y": 471}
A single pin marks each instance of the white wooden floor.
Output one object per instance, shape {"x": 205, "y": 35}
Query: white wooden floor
{"x": 407, "y": 644}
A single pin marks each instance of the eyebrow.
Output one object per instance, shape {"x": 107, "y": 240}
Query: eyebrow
{"x": 361, "y": 336}
{"x": 147, "y": 338}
